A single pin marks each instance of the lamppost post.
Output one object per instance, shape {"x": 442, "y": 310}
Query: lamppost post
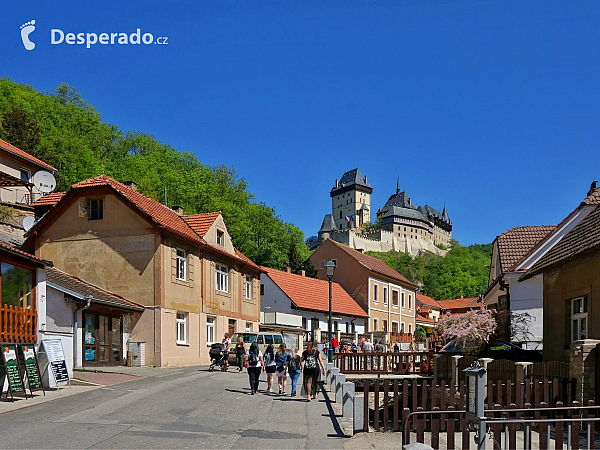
{"x": 330, "y": 268}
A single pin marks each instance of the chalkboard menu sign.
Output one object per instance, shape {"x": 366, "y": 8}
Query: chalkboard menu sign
{"x": 31, "y": 367}
{"x": 13, "y": 369}
{"x": 53, "y": 352}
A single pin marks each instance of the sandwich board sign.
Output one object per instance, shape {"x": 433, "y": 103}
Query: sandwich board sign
{"x": 11, "y": 369}
{"x": 31, "y": 368}
{"x": 51, "y": 351}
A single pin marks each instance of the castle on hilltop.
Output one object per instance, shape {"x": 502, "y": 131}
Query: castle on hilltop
{"x": 403, "y": 226}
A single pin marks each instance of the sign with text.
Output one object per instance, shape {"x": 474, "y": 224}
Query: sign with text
{"x": 12, "y": 369}
{"x": 31, "y": 368}
{"x": 53, "y": 351}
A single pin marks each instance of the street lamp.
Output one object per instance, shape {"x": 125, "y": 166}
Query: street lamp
{"x": 330, "y": 269}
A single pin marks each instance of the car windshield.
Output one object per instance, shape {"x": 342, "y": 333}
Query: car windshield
{"x": 247, "y": 337}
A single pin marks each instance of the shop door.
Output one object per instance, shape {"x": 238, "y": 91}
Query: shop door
{"x": 102, "y": 340}
{"x": 90, "y": 354}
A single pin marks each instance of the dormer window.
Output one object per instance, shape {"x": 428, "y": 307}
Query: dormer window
{"x": 220, "y": 238}
{"x": 25, "y": 175}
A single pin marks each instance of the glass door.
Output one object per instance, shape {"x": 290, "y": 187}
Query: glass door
{"x": 117, "y": 346}
{"x": 103, "y": 340}
{"x": 89, "y": 339}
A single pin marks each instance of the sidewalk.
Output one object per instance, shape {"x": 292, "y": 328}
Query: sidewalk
{"x": 39, "y": 397}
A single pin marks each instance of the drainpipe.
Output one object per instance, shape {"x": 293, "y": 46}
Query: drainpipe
{"x": 505, "y": 286}
{"x": 75, "y": 356}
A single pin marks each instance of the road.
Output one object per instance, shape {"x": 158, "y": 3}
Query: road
{"x": 192, "y": 408}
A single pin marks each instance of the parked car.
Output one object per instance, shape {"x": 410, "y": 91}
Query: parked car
{"x": 498, "y": 349}
{"x": 262, "y": 338}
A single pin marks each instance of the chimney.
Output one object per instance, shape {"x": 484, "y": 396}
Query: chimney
{"x": 365, "y": 178}
{"x": 302, "y": 273}
{"x": 593, "y": 188}
{"x": 178, "y": 209}
{"x": 288, "y": 269}
{"x": 131, "y": 184}
{"x": 337, "y": 184}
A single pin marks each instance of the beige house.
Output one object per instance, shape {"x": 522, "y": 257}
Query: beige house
{"x": 194, "y": 285}
{"x": 387, "y": 296}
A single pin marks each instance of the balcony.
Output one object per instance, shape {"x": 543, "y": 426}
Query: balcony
{"x": 18, "y": 324}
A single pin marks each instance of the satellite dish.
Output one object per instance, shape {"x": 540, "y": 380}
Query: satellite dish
{"x": 44, "y": 181}
{"x": 28, "y": 223}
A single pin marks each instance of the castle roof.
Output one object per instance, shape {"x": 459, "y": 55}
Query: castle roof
{"x": 400, "y": 205}
{"x": 408, "y": 212}
{"x": 328, "y": 224}
{"x": 351, "y": 178}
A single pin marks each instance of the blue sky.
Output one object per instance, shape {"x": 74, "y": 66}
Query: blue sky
{"x": 491, "y": 107}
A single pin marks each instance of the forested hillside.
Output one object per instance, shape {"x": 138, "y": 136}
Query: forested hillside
{"x": 462, "y": 271}
{"x": 67, "y": 132}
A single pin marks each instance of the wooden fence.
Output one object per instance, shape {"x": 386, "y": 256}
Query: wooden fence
{"x": 17, "y": 324}
{"x": 402, "y": 363}
{"x": 388, "y": 402}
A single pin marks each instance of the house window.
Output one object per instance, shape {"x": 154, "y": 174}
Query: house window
{"x": 222, "y": 278}
{"x": 394, "y": 327}
{"x": 181, "y": 264}
{"x": 262, "y": 289}
{"x": 385, "y": 325}
{"x": 395, "y": 298}
{"x": 410, "y": 328}
{"x": 375, "y": 293}
{"x": 210, "y": 330}
{"x": 96, "y": 211}
{"x": 409, "y": 301}
{"x": 220, "y": 237}
{"x": 385, "y": 298}
{"x": 181, "y": 324}
{"x": 248, "y": 287}
{"x": 248, "y": 327}
{"x": 25, "y": 175}
{"x": 402, "y": 327}
{"x": 16, "y": 286}
{"x": 375, "y": 325}
{"x": 402, "y": 300}
{"x": 579, "y": 318}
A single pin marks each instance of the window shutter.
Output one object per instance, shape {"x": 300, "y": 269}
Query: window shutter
{"x": 190, "y": 264}
{"x": 173, "y": 264}
{"x": 82, "y": 207}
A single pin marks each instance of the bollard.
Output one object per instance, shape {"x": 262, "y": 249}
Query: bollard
{"x": 328, "y": 368}
{"x": 358, "y": 413}
{"x": 347, "y": 399}
{"x": 338, "y": 381}
{"x": 332, "y": 373}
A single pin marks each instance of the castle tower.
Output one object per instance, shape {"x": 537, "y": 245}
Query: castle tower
{"x": 351, "y": 201}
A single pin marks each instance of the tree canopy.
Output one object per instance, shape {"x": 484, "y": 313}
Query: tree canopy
{"x": 67, "y": 132}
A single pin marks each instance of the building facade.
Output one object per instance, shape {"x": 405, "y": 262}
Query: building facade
{"x": 386, "y": 296}
{"x": 193, "y": 284}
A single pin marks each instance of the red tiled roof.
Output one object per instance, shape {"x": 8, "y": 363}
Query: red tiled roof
{"x": 49, "y": 199}
{"x": 24, "y": 155}
{"x": 583, "y": 238}
{"x": 248, "y": 261}
{"x": 18, "y": 252}
{"x": 158, "y": 213}
{"x": 201, "y": 223}
{"x": 426, "y": 300}
{"x": 373, "y": 264}
{"x": 313, "y": 294}
{"x": 85, "y": 289}
{"x": 421, "y": 318}
{"x": 593, "y": 197}
{"x": 459, "y": 303}
{"x": 515, "y": 243}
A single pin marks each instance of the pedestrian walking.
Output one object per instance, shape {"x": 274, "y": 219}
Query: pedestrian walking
{"x": 270, "y": 366}
{"x": 367, "y": 347}
{"x": 335, "y": 344}
{"x": 240, "y": 354}
{"x": 311, "y": 358}
{"x": 294, "y": 369}
{"x": 396, "y": 348}
{"x": 226, "y": 344}
{"x": 354, "y": 347}
{"x": 282, "y": 358}
{"x": 255, "y": 366}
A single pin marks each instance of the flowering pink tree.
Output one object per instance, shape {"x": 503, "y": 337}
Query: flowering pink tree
{"x": 472, "y": 329}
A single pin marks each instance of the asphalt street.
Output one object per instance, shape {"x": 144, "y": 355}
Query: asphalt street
{"x": 191, "y": 408}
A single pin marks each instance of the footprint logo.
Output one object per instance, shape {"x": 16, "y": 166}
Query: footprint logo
{"x": 26, "y": 30}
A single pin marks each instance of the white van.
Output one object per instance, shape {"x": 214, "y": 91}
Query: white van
{"x": 262, "y": 338}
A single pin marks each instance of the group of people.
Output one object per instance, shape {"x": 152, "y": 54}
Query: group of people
{"x": 365, "y": 346}
{"x": 281, "y": 364}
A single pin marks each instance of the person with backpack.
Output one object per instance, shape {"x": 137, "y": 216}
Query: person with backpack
{"x": 311, "y": 358}
{"x": 270, "y": 366}
{"x": 255, "y": 366}
{"x": 354, "y": 347}
{"x": 281, "y": 362}
{"x": 294, "y": 369}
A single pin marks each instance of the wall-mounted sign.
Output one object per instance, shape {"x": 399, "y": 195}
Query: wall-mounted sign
{"x": 12, "y": 370}
{"x": 32, "y": 369}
